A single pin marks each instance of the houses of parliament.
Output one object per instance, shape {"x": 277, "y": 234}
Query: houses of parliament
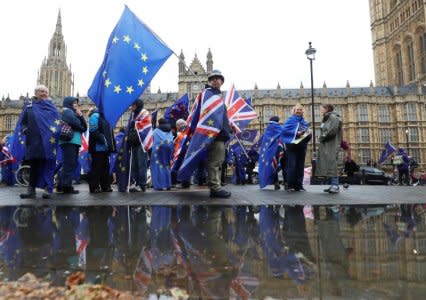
{"x": 393, "y": 109}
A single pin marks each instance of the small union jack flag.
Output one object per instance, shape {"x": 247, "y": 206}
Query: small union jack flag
{"x": 6, "y": 156}
{"x": 240, "y": 113}
{"x": 143, "y": 126}
{"x": 84, "y": 142}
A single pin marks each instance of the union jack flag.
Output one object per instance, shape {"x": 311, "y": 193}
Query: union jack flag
{"x": 240, "y": 113}
{"x": 84, "y": 142}
{"x": 143, "y": 126}
{"x": 207, "y": 118}
{"x": 6, "y": 156}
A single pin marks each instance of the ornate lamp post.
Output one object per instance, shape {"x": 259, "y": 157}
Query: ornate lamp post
{"x": 406, "y": 140}
{"x": 310, "y": 54}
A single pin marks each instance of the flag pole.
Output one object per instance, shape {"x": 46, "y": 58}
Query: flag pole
{"x": 130, "y": 170}
{"x": 242, "y": 146}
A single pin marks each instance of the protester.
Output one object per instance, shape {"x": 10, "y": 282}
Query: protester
{"x": 403, "y": 167}
{"x": 101, "y": 144}
{"x": 296, "y": 135}
{"x": 39, "y": 123}
{"x": 180, "y": 138}
{"x": 350, "y": 167}
{"x": 217, "y": 150}
{"x": 161, "y": 156}
{"x": 139, "y": 161}
{"x": 72, "y": 116}
{"x": 330, "y": 140}
{"x": 269, "y": 154}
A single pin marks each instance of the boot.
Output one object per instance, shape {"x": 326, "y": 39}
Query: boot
{"x": 30, "y": 194}
{"x": 220, "y": 194}
{"x": 69, "y": 190}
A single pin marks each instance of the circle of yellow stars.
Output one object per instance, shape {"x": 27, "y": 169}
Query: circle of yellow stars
{"x": 117, "y": 88}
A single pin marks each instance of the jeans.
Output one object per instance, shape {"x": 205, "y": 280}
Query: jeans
{"x": 139, "y": 166}
{"x": 69, "y": 164}
{"x": 334, "y": 180}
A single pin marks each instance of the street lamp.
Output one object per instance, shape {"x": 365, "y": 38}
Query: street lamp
{"x": 310, "y": 54}
{"x": 406, "y": 139}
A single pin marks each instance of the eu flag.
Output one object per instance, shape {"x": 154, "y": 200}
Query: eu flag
{"x": 178, "y": 110}
{"x": 133, "y": 55}
{"x": 387, "y": 151}
{"x": 268, "y": 162}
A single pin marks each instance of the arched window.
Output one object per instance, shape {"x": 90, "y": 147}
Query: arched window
{"x": 398, "y": 67}
{"x": 411, "y": 65}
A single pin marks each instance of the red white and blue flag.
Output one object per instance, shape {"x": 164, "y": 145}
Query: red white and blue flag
{"x": 240, "y": 113}
{"x": 143, "y": 126}
{"x": 6, "y": 156}
{"x": 207, "y": 118}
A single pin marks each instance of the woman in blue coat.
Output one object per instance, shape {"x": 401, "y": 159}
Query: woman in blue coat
{"x": 73, "y": 116}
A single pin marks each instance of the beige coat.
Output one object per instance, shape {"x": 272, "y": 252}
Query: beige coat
{"x": 330, "y": 141}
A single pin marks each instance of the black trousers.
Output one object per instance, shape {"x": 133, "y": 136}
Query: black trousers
{"x": 36, "y": 166}
{"x": 99, "y": 172}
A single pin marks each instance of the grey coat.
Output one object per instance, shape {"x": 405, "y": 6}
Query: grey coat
{"x": 330, "y": 141}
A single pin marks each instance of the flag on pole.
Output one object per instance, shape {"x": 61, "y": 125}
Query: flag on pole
{"x": 143, "y": 125}
{"x": 386, "y": 152}
{"x": 239, "y": 112}
{"x": 178, "y": 110}
{"x": 133, "y": 56}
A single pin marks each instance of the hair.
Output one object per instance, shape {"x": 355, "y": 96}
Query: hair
{"x": 298, "y": 105}
{"x": 328, "y": 107}
{"x": 40, "y": 87}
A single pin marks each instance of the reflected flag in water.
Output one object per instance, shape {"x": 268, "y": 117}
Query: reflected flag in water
{"x": 133, "y": 56}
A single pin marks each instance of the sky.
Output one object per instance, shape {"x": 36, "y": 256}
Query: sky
{"x": 252, "y": 41}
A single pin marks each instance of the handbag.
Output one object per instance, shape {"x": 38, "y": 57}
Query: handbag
{"x": 66, "y": 133}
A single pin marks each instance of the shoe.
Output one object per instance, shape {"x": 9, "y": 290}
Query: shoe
{"x": 224, "y": 183}
{"x": 95, "y": 191}
{"x": 327, "y": 190}
{"x": 108, "y": 190}
{"x": 334, "y": 189}
{"x": 291, "y": 189}
{"x": 30, "y": 194}
{"x": 135, "y": 189}
{"x": 46, "y": 195}
{"x": 59, "y": 189}
{"x": 220, "y": 194}
{"x": 70, "y": 190}
{"x": 276, "y": 186}
{"x": 301, "y": 189}
{"x": 143, "y": 189}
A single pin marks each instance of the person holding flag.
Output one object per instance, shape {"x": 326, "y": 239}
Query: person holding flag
{"x": 40, "y": 125}
{"x": 138, "y": 147}
{"x": 209, "y": 127}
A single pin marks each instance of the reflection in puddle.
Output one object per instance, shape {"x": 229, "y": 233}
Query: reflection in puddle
{"x": 223, "y": 252}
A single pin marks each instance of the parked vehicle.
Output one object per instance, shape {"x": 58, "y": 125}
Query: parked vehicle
{"x": 371, "y": 175}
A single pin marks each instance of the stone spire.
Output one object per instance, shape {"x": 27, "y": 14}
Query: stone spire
{"x": 181, "y": 62}
{"x": 54, "y": 72}
{"x": 209, "y": 61}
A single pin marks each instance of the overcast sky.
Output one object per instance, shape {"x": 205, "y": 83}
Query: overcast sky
{"x": 252, "y": 41}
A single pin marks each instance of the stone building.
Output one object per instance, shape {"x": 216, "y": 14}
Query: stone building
{"x": 399, "y": 46}
{"x": 372, "y": 114}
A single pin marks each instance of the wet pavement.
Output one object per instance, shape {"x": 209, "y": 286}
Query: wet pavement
{"x": 241, "y": 195}
{"x": 224, "y": 252}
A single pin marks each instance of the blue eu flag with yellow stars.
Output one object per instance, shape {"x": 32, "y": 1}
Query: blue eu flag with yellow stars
{"x": 134, "y": 54}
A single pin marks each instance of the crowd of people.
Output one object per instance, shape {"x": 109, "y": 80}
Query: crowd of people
{"x": 51, "y": 136}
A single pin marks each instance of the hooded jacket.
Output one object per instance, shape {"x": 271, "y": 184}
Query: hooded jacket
{"x": 77, "y": 123}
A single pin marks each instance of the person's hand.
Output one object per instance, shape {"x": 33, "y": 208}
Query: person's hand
{"x": 78, "y": 112}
